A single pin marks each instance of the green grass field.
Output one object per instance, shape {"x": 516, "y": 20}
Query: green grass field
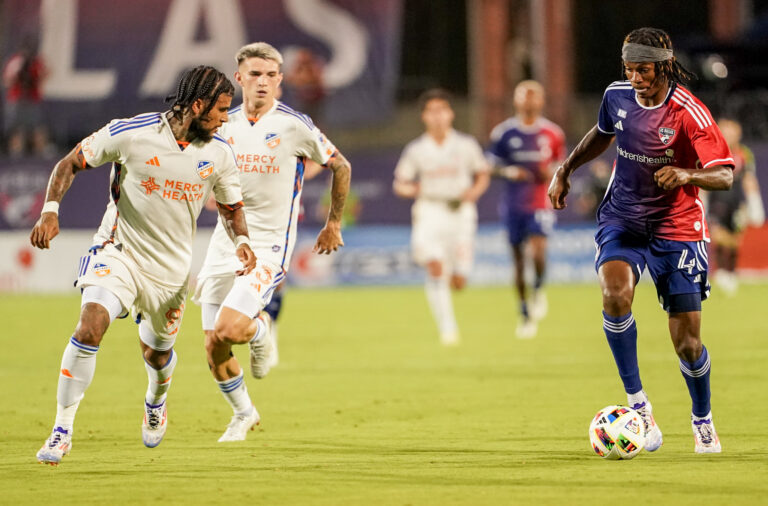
{"x": 367, "y": 408}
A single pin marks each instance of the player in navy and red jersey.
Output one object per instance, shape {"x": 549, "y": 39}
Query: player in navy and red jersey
{"x": 525, "y": 149}
{"x": 668, "y": 147}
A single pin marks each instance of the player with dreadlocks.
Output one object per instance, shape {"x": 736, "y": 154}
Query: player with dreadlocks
{"x": 164, "y": 167}
{"x": 667, "y": 148}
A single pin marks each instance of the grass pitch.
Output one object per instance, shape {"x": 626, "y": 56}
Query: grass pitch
{"x": 367, "y": 408}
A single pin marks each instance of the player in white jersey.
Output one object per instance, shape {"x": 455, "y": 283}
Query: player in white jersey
{"x": 164, "y": 167}
{"x": 272, "y": 143}
{"x": 445, "y": 172}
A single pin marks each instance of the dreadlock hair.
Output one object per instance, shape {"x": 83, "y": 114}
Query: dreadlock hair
{"x": 670, "y": 69}
{"x": 200, "y": 82}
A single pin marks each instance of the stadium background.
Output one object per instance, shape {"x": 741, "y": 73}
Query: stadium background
{"x": 365, "y": 406}
{"x": 376, "y": 57}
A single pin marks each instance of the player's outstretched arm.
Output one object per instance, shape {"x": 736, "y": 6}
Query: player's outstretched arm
{"x": 233, "y": 219}
{"x": 589, "y": 148}
{"x": 47, "y": 227}
{"x": 717, "y": 177}
{"x": 329, "y": 239}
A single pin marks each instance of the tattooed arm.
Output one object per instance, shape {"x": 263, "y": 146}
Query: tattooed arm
{"x": 47, "y": 227}
{"x": 233, "y": 219}
{"x": 329, "y": 239}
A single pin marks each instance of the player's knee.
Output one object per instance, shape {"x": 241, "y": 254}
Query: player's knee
{"x": 88, "y": 333}
{"x": 617, "y": 299}
{"x": 458, "y": 282}
{"x": 688, "y": 348}
{"x": 157, "y": 358}
{"x": 435, "y": 268}
{"x": 232, "y": 330}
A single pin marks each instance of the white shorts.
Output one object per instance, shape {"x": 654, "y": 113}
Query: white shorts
{"x": 446, "y": 235}
{"x": 246, "y": 294}
{"x": 161, "y": 306}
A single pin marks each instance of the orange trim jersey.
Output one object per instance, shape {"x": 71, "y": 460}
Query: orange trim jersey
{"x": 270, "y": 154}
{"x": 158, "y": 190}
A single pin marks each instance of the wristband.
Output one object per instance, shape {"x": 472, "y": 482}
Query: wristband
{"x": 242, "y": 239}
{"x": 50, "y": 207}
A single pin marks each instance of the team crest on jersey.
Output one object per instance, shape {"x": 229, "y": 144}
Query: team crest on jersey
{"x": 204, "y": 169}
{"x": 272, "y": 140}
{"x": 666, "y": 134}
{"x": 101, "y": 270}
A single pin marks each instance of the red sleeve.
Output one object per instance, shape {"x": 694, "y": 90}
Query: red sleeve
{"x": 705, "y": 136}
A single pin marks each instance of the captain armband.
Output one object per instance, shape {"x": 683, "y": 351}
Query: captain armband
{"x": 231, "y": 207}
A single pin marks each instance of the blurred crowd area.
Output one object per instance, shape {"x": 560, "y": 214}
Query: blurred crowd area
{"x": 360, "y": 81}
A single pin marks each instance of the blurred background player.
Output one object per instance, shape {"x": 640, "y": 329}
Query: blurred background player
{"x": 668, "y": 146}
{"x": 730, "y": 211}
{"x": 144, "y": 265}
{"x": 272, "y": 142}
{"x": 23, "y": 77}
{"x": 525, "y": 151}
{"x": 445, "y": 172}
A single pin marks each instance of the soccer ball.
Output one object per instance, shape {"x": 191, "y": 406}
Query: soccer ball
{"x": 617, "y": 432}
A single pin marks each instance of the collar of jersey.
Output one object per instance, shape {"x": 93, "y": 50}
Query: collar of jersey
{"x": 241, "y": 112}
{"x": 527, "y": 129}
{"x": 666, "y": 99}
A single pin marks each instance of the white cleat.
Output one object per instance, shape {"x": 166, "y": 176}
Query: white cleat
{"x": 705, "y": 435}
{"x": 261, "y": 348}
{"x": 154, "y": 424}
{"x": 58, "y": 444}
{"x": 239, "y": 426}
{"x": 653, "y": 437}
{"x": 539, "y": 305}
{"x": 526, "y": 329}
{"x": 450, "y": 338}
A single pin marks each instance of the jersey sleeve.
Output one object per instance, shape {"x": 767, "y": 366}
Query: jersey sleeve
{"x": 314, "y": 145}
{"x": 407, "y": 169}
{"x": 707, "y": 139}
{"x": 226, "y": 189}
{"x": 103, "y": 147}
{"x": 497, "y": 153}
{"x": 477, "y": 160}
{"x": 604, "y": 119}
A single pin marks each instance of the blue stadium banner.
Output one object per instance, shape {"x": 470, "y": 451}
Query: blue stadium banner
{"x": 116, "y": 59}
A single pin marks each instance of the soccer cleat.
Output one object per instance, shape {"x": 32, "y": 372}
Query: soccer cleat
{"x": 261, "y": 349}
{"x": 539, "y": 305}
{"x": 653, "y": 437}
{"x": 705, "y": 435}
{"x": 239, "y": 426}
{"x": 526, "y": 329}
{"x": 450, "y": 338}
{"x": 58, "y": 444}
{"x": 154, "y": 424}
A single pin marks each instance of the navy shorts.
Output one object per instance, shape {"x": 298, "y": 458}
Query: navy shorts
{"x": 677, "y": 267}
{"x": 520, "y": 226}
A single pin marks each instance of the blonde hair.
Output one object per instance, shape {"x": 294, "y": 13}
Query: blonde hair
{"x": 259, "y": 50}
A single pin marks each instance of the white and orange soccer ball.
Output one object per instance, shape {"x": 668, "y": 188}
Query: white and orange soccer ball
{"x": 617, "y": 432}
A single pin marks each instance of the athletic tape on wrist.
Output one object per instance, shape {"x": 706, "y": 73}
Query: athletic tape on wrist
{"x": 51, "y": 207}
{"x": 242, "y": 239}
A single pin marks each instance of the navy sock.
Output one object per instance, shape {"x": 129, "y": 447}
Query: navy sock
{"x": 524, "y": 309}
{"x": 538, "y": 281}
{"x": 621, "y": 332}
{"x": 273, "y": 308}
{"x": 696, "y": 376}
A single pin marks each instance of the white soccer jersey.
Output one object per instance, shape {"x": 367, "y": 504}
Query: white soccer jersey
{"x": 444, "y": 171}
{"x": 159, "y": 189}
{"x": 270, "y": 154}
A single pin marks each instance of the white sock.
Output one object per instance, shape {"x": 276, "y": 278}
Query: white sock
{"x": 236, "y": 394}
{"x": 159, "y": 381}
{"x": 441, "y": 304}
{"x": 260, "y": 331}
{"x": 78, "y": 363}
{"x": 637, "y": 398}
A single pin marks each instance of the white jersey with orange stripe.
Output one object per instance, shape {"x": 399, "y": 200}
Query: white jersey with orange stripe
{"x": 270, "y": 154}
{"x": 158, "y": 190}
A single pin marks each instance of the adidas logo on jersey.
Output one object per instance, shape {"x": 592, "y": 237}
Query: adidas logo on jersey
{"x": 618, "y": 126}
{"x": 153, "y": 161}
